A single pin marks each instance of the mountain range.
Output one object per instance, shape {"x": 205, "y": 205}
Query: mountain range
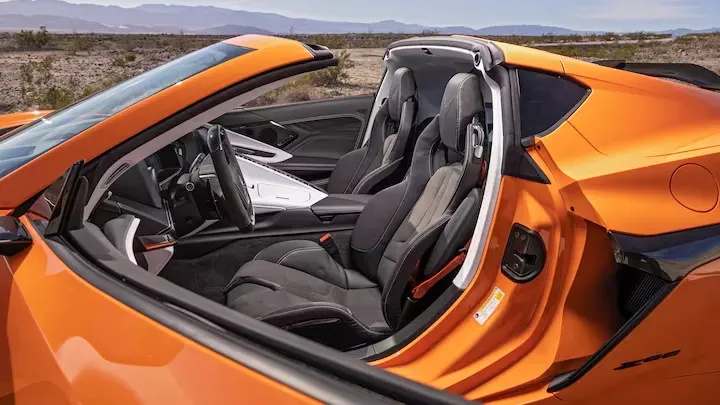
{"x": 58, "y": 15}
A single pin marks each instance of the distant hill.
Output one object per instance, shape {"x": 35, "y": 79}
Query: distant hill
{"x": 532, "y": 30}
{"x": 232, "y": 30}
{"x": 58, "y": 15}
{"x": 684, "y": 31}
{"x": 16, "y": 22}
{"x": 207, "y": 19}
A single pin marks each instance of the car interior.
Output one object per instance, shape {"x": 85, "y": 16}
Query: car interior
{"x": 259, "y": 211}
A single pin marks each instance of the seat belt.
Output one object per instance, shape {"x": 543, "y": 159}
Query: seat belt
{"x": 410, "y": 307}
{"x": 328, "y": 243}
{"x": 419, "y": 291}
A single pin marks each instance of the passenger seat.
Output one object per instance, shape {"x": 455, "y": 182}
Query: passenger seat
{"x": 359, "y": 171}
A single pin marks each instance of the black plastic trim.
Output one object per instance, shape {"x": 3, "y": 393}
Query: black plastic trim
{"x": 666, "y": 255}
{"x": 140, "y": 285}
{"x": 518, "y": 162}
{"x": 558, "y": 384}
{"x": 26, "y": 206}
{"x": 685, "y": 72}
{"x": 541, "y": 254}
{"x": 59, "y": 219}
{"x": 529, "y": 140}
{"x": 6, "y": 130}
{"x": 319, "y": 52}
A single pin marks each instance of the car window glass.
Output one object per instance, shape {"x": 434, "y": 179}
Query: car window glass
{"x": 30, "y": 141}
{"x": 545, "y": 99}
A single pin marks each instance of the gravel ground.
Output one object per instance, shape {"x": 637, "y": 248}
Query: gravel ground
{"x": 88, "y": 70}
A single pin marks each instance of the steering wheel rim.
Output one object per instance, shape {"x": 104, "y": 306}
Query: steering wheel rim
{"x": 235, "y": 195}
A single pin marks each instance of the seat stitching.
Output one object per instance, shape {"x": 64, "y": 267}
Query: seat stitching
{"x": 373, "y": 173}
{"x": 341, "y": 308}
{"x": 297, "y": 250}
{"x": 457, "y": 121}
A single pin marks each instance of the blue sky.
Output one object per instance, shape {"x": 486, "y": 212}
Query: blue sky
{"x": 615, "y": 15}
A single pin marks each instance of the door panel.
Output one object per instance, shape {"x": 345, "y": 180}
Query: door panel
{"x": 316, "y": 133}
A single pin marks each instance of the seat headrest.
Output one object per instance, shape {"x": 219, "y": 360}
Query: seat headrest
{"x": 402, "y": 88}
{"x": 461, "y": 102}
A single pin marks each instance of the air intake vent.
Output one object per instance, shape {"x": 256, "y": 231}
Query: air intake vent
{"x": 116, "y": 174}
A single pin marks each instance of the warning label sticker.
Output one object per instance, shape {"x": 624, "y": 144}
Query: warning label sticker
{"x": 490, "y": 306}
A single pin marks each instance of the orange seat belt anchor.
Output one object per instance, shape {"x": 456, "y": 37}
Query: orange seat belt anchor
{"x": 421, "y": 289}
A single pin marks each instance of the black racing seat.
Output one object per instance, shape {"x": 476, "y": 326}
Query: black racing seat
{"x": 359, "y": 171}
{"x": 298, "y": 286}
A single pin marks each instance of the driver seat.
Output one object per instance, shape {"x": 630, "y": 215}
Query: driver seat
{"x": 298, "y": 286}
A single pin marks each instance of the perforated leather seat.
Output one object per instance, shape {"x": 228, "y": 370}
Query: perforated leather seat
{"x": 360, "y": 171}
{"x": 298, "y": 286}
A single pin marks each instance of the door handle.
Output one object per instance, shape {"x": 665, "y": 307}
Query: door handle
{"x": 524, "y": 255}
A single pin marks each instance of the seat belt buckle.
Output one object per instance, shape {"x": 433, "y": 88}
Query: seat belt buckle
{"x": 328, "y": 243}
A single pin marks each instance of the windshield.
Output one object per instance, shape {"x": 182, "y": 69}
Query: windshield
{"x": 42, "y": 135}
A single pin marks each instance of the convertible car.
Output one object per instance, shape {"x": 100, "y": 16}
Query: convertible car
{"x": 496, "y": 223}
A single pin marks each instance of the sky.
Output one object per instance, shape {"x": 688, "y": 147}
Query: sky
{"x": 606, "y": 15}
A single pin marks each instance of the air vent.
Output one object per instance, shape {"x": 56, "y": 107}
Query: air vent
{"x": 116, "y": 174}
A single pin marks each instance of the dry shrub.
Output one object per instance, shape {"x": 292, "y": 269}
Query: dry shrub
{"x": 39, "y": 87}
{"x": 31, "y": 39}
{"x": 334, "y": 75}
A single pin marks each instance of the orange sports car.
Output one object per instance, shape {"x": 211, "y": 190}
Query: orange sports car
{"x": 496, "y": 223}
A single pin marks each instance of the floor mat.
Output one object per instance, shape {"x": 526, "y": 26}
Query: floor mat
{"x": 207, "y": 275}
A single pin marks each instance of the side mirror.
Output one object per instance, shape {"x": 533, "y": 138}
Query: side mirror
{"x": 13, "y": 236}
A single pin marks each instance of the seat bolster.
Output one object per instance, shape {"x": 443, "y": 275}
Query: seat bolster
{"x": 345, "y": 175}
{"x": 308, "y": 257}
{"x": 373, "y": 178}
{"x": 328, "y": 323}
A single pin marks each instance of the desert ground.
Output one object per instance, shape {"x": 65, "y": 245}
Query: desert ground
{"x": 73, "y": 66}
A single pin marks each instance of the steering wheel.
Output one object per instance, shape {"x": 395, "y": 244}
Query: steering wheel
{"x": 235, "y": 197}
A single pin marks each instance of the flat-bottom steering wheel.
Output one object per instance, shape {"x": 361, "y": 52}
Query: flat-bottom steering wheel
{"x": 235, "y": 196}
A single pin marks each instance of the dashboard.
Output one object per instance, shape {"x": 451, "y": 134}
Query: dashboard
{"x": 175, "y": 190}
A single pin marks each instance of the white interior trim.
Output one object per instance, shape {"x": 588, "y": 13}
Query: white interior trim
{"x": 129, "y": 237}
{"x": 492, "y": 188}
{"x": 158, "y": 259}
{"x": 174, "y": 134}
{"x": 243, "y": 141}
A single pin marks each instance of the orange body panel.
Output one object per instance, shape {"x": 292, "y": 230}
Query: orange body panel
{"x": 683, "y": 321}
{"x": 524, "y": 344}
{"x": 618, "y": 152}
{"x": 607, "y": 164}
{"x": 70, "y": 343}
{"x": 271, "y": 53}
{"x": 21, "y": 118}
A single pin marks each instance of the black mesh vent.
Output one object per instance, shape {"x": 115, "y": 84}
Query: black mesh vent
{"x": 636, "y": 288}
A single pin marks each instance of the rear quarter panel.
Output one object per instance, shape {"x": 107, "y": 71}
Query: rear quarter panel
{"x": 616, "y": 155}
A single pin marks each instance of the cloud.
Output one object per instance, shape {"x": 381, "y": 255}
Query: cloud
{"x": 641, "y": 10}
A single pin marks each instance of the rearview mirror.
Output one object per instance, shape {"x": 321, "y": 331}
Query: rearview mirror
{"x": 13, "y": 236}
